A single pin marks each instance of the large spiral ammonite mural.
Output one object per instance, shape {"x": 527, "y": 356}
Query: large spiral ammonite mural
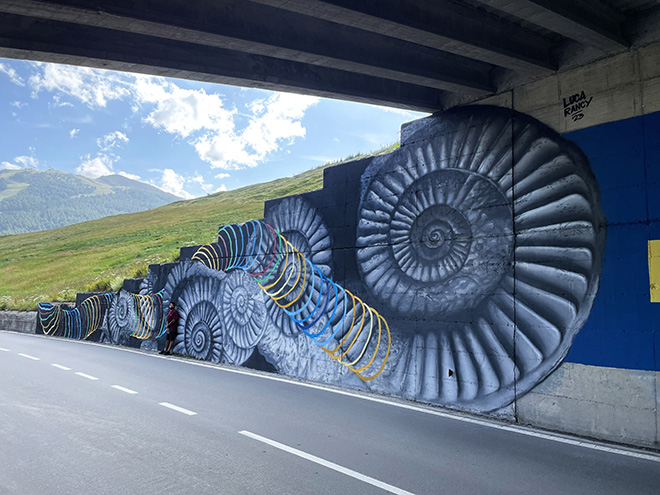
{"x": 495, "y": 311}
{"x": 477, "y": 257}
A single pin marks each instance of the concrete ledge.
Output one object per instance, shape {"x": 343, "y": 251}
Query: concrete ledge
{"x": 605, "y": 403}
{"x": 18, "y": 321}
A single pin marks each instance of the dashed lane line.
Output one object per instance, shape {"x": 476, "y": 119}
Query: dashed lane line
{"x": 177, "y": 408}
{"x": 29, "y": 357}
{"x": 328, "y": 464}
{"x": 124, "y": 389}
{"x": 85, "y": 375}
{"x": 60, "y": 367}
{"x": 520, "y": 430}
{"x": 4, "y": 350}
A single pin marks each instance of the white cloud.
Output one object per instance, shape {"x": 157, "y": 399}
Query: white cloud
{"x": 112, "y": 140}
{"x": 95, "y": 167}
{"x": 103, "y": 163}
{"x": 21, "y": 162}
{"x": 73, "y": 132}
{"x": 222, "y": 188}
{"x": 27, "y": 161}
{"x": 274, "y": 122}
{"x": 222, "y": 176}
{"x": 18, "y": 104}
{"x": 182, "y": 111}
{"x": 173, "y": 183}
{"x": 13, "y": 75}
{"x": 226, "y": 151}
{"x": 216, "y": 133}
{"x": 278, "y": 118}
{"x": 207, "y": 188}
{"x": 212, "y": 128}
{"x": 93, "y": 87}
{"x": 129, "y": 176}
{"x": 58, "y": 103}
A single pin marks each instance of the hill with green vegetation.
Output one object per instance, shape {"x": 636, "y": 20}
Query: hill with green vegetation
{"x": 54, "y": 265}
{"x": 33, "y": 200}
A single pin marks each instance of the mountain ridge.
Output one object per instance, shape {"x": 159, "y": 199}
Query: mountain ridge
{"x": 54, "y": 265}
{"x": 33, "y": 200}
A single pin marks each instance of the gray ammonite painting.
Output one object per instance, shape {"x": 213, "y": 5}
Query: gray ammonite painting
{"x": 480, "y": 241}
{"x": 486, "y": 229}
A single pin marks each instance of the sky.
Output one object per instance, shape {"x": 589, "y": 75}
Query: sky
{"x": 186, "y": 137}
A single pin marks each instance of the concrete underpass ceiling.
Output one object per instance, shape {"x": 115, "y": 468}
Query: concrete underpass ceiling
{"x": 415, "y": 54}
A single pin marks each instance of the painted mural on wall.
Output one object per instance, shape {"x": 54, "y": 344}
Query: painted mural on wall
{"x": 338, "y": 322}
{"x": 118, "y": 317}
{"x": 456, "y": 270}
{"x": 77, "y": 323}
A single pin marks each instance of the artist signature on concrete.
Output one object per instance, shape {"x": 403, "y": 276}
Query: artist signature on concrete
{"x": 576, "y": 104}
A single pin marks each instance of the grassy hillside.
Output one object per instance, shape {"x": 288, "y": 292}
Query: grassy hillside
{"x": 54, "y": 265}
{"x": 34, "y": 200}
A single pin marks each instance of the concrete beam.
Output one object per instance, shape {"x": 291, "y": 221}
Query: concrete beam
{"x": 591, "y": 23}
{"x": 263, "y": 30}
{"x": 439, "y": 24}
{"x": 54, "y": 41}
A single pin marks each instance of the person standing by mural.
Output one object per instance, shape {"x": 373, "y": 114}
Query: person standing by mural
{"x": 172, "y": 328}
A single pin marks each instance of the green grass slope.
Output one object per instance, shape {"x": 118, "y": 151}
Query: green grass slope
{"x": 54, "y": 265}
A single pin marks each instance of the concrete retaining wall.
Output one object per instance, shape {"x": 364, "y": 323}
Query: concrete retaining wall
{"x": 618, "y": 405}
{"x": 18, "y": 321}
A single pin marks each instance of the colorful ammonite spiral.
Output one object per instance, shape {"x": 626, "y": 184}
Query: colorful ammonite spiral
{"x": 303, "y": 227}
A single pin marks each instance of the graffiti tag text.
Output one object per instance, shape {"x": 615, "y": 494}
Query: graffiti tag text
{"x": 575, "y": 105}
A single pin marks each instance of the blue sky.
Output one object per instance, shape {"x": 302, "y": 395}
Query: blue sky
{"x": 186, "y": 137}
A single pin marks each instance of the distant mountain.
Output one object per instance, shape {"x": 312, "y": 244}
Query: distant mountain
{"x": 32, "y": 200}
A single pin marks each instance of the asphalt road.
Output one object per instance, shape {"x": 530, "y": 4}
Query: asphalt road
{"x": 82, "y": 418}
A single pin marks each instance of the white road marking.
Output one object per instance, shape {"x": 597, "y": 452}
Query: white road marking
{"x": 29, "y": 357}
{"x": 177, "y": 408}
{"x": 455, "y": 416}
{"x": 328, "y": 464}
{"x": 59, "y": 366}
{"x": 124, "y": 389}
{"x": 513, "y": 429}
{"x": 3, "y": 349}
{"x": 85, "y": 375}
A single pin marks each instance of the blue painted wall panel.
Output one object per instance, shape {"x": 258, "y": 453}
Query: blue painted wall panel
{"x": 615, "y": 138}
{"x": 619, "y": 331}
{"x": 623, "y": 330}
{"x": 652, "y": 158}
